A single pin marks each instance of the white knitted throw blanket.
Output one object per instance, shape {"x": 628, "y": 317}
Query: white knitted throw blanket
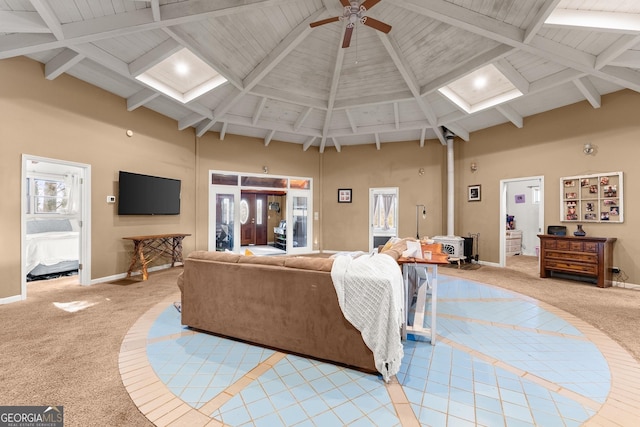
{"x": 371, "y": 295}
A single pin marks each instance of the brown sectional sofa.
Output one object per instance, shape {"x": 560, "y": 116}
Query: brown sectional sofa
{"x": 286, "y": 303}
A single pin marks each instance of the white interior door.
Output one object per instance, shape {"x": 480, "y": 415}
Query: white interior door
{"x": 224, "y": 218}
{"x": 299, "y": 234}
{"x": 383, "y": 215}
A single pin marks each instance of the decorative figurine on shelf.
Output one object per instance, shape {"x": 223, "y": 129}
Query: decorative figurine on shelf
{"x": 579, "y": 231}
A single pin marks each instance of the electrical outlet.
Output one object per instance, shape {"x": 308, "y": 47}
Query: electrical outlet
{"x": 111, "y": 199}
{"x": 615, "y": 270}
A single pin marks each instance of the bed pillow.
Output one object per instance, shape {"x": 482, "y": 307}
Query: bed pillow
{"x": 46, "y": 225}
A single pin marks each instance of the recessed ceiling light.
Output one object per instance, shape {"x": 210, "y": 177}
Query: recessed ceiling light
{"x": 480, "y": 82}
{"x": 182, "y": 68}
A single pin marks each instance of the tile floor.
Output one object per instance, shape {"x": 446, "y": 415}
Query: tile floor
{"x": 502, "y": 359}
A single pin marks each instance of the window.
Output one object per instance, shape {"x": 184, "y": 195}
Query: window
{"x": 535, "y": 195}
{"x": 47, "y": 196}
{"x": 384, "y": 213}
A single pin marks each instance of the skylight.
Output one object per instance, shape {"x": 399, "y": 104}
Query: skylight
{"x": 182, "y": 76}
{"x": 481, "y": 89}
{"x": 601, "y": 14}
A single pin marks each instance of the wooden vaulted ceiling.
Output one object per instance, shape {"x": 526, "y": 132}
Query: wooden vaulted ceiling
{"x": 288, "y": 81}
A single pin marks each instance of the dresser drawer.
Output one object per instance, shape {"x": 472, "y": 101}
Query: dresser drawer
{"x": 571, "y": 267}
{"x": 564, "y": 245}
{"x": 573, "y": 256}
{"x": 590, "y": 247}
{"x": 512, "y": 249}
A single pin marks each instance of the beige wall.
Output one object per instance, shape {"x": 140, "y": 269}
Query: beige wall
{"x": 550, "y": 144}
{"x": 73, "y": 121}
{"x": 346, "y": 225}
{"x": 70, "y": 120}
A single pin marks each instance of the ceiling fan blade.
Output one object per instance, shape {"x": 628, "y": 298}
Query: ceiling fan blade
{"x": 345, "y": 3}
{"x": 368, "y": 4}
{"x": 324, "y": 21}
{"x": 347, "y": 36}
{"x": 378, "y": 25}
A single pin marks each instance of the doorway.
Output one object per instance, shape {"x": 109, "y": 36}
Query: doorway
{"x": 383, "y": 215}
{"x": 55, "y": 220}
{"x": 264, "y": 213}
{"x": 521, "y": 218}
{"x": 261, "y": 213}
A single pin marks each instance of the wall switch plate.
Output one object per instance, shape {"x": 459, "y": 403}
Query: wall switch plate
{"x": 111, "y": 199}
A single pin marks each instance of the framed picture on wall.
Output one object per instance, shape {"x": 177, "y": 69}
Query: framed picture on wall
{"x": 344, "y": 195}
{"x": 474, "y": 193}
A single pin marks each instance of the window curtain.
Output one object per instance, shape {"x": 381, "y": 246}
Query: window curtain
{"x": 376, "y": 212}
{"x": 72, "y": 182}
{"x": 387, "y": 200}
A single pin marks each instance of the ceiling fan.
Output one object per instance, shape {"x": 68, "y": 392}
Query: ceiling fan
{"x": 354, "y": 12}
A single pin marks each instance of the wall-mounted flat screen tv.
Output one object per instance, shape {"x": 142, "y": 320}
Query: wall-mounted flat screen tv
{"x": 147, "y": 195}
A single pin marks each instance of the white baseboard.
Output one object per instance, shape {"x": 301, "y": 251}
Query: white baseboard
{"x": 9, "y": 300}
{"x": 124, "y": 275}
{"x": 627, "y": 285}
{"x": 491, "y": 264}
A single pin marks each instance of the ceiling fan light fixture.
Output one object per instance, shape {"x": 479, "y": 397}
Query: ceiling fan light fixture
{"x": 354, "y": 12}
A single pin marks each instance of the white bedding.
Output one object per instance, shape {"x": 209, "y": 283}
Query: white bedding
{"x": 51, "y": 248}
{"x": 370, "y": 293}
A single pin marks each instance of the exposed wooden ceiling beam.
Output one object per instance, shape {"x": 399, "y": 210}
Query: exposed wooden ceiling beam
{"x": 140, "y": 98}
{"x": 61, "y": 63}
{"x": 589, "y": 91}
{"x": 258, "y": 110}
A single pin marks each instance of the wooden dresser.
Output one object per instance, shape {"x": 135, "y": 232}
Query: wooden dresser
{"x": 583, "y": 256}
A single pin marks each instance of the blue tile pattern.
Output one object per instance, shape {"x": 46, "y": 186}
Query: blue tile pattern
{"x": 299, "y": 390}
{"x": 446, "y": 384}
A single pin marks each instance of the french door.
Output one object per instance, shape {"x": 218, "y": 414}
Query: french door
{"x": 239, "y": 214}
{"x": 299, "y": 230}
{"x": 222, "y": 214}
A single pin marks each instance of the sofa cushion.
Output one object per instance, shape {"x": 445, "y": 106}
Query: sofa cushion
{"x": 215, "y": 256}
{"x": 309, "y": 263}
{"x": 263, "y": 260}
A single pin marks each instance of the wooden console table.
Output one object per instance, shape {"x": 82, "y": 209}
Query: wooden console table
{"x": 583, "y": 256}
{"x": 148, "y": 248}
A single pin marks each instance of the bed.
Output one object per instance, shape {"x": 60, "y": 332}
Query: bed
{"x": 52, "y": 248}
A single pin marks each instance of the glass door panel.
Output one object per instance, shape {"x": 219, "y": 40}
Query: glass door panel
{"x": 224, "y": 214}
{"x": 224, "y": 227}
{"x": 298, "y": 228}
